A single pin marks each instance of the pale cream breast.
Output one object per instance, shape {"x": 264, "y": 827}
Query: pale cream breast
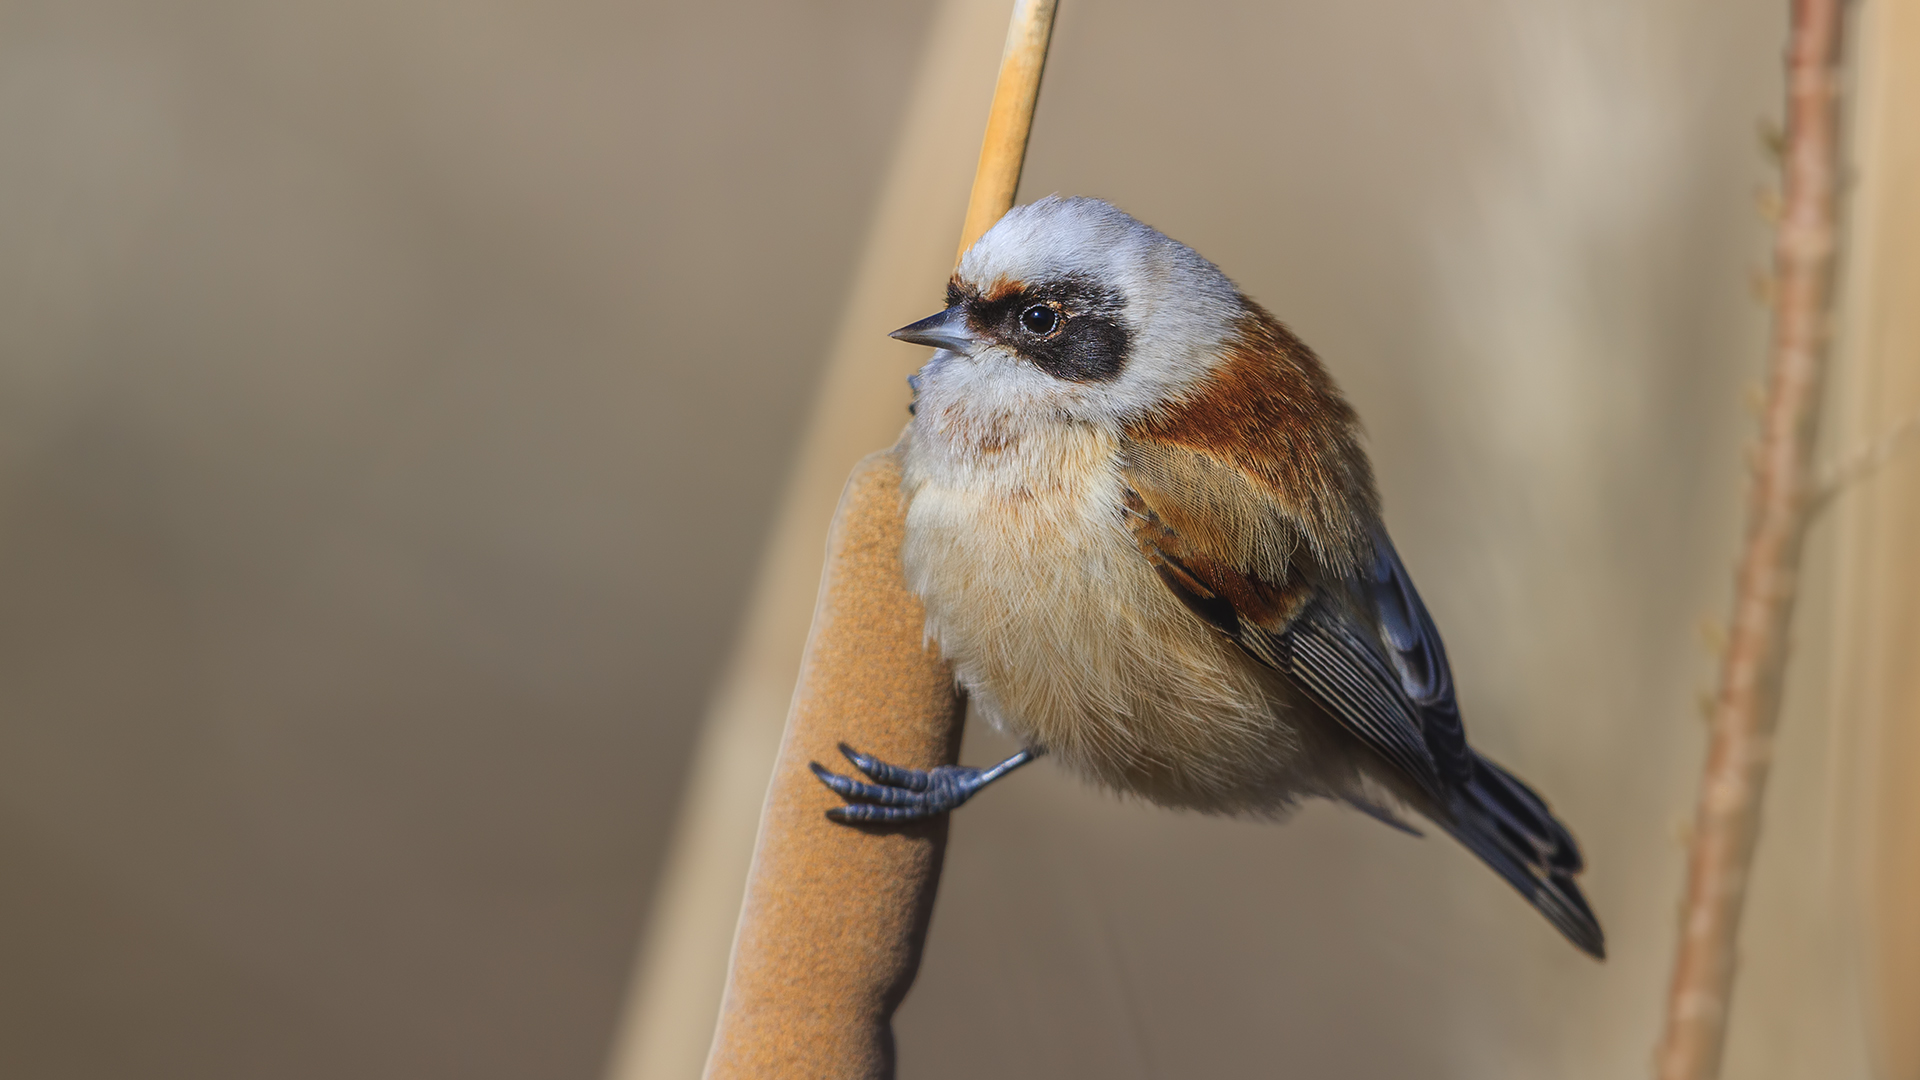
{"x": 1063, "y": 633}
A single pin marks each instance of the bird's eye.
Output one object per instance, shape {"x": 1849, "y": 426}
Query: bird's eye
{"x": 1039, "y": 320}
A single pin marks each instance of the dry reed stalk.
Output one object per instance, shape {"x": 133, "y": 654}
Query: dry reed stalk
{"x": 1003, "y": 150}
{"x": 1785, "y": 491}
{"x": 835, "y": 916}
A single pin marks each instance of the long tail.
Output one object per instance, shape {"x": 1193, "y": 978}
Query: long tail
{"x": 1501, "y": 820}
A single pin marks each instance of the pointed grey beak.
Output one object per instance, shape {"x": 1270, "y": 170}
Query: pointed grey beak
{"x": 947, "y": 330}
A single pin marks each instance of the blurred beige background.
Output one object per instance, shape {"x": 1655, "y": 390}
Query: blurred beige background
{"x": 391, "y": 395}
{"x": 394, "y": 399}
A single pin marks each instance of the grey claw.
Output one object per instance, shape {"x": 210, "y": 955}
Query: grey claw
{"x": 903, "y": 794}
{"x": 911, "y": 779}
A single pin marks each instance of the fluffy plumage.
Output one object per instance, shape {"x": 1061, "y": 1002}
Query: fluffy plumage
{"x": 1147, "y": 537}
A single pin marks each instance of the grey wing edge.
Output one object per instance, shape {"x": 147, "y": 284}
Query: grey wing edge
{"x": 1396, "y": 697}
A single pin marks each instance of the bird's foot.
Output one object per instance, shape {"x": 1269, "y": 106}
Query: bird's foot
{"x": 902, "y": 794}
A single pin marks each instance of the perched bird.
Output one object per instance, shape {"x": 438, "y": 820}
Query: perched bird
{"x": 1148, "y": 541}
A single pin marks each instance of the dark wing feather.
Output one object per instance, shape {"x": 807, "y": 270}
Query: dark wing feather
{"x": 1419, "y": 658}
{"x": 1531, "y": 850}
{"x": 1311, "y": 644}
{"x": 1323, "y": 656}
{"x": 1392, "y": 690}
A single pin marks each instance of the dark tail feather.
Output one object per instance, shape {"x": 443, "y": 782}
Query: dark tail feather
{"x": 1501, "y": 820}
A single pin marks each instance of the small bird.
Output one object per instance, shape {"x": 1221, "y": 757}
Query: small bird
{"x": 1148, "y": 541}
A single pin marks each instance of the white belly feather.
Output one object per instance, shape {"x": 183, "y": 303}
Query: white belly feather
{"x": 1064, "y": 635}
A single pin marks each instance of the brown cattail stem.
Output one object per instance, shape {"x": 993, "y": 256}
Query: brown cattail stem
{"x": 1747, "y": 704}
{"x": 835, "y": 916}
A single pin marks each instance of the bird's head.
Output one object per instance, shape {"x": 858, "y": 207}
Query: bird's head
{"x": 1071, "y": 308}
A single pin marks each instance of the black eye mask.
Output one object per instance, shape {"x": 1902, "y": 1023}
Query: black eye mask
{"x": 1085, "y": 341}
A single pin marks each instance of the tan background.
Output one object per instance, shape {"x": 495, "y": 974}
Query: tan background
{"x": 390, "y": 396}
{"x": 394, "y": 396}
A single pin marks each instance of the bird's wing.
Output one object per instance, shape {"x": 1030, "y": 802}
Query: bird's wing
{"x": 1359, "y": 643}
{"x": 1419, "y": 658}
{"x": 1226, "y": 546}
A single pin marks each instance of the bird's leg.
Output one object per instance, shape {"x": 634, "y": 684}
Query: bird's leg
{"x": 906, "y": 794}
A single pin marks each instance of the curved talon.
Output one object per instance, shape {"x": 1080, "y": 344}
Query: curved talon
{"x": 854, "y": 789}
{"x": 870, "y": 812}
{"x": 903, "y": 794}
{"x": 911, "y": 779}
